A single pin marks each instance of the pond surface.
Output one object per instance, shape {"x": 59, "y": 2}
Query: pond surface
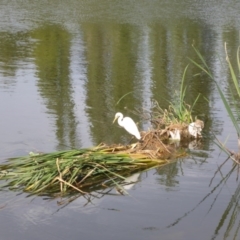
{"x": 64, "y": 68}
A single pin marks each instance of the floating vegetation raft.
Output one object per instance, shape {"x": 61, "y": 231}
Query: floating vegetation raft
{"x": 81, "y": 170}
{"x": 87, "y": 170}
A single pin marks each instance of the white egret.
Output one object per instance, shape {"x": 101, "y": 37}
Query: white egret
{"x": 127, "y": 123}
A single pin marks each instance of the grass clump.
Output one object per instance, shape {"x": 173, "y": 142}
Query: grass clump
{"x": 74, "y": 170}
{"x": 178, "y": 111}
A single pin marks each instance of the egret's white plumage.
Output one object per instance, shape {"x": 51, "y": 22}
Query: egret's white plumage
{"x": 127, "y": 123}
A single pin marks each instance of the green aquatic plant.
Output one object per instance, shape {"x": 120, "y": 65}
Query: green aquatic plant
{"x": 234, "y": 115}
{"x": 229, "y": 221}
{"x": 183, "y": 111}
{"x": 74, "y": 170}
{"x": 204, "y": 67}
{"x": 178, "y": 111}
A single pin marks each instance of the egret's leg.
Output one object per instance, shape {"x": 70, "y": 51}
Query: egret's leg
{"x": 131, "y": 140}
{"x": 141, "y": 141}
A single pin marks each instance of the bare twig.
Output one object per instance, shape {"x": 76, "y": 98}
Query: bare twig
{"x": 70, "y": 185}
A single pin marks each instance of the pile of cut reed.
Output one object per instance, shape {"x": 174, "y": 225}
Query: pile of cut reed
{"x": 81, "y": 170}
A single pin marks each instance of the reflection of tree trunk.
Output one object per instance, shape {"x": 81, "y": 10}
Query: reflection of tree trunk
{"x": 52, "y": 54}
{"x": 120, "y": 55}
{"x": 11, "y": 52}
{"x": 111, "y": 66}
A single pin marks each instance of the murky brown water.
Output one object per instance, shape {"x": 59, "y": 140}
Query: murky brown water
{"x": 64, "y": 66}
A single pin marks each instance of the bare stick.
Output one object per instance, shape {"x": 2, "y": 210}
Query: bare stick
{"x": 69, "y": 184}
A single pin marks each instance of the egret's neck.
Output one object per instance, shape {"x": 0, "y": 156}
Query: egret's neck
{"x": 120, "y": 121}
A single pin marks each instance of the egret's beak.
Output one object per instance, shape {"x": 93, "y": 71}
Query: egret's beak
{"x": 114, "y": 120}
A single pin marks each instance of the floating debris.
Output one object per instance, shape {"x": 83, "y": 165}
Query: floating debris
{"x": 195, "y": 128}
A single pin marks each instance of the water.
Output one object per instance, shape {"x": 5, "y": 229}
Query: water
{"x": 64, "y": 68}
